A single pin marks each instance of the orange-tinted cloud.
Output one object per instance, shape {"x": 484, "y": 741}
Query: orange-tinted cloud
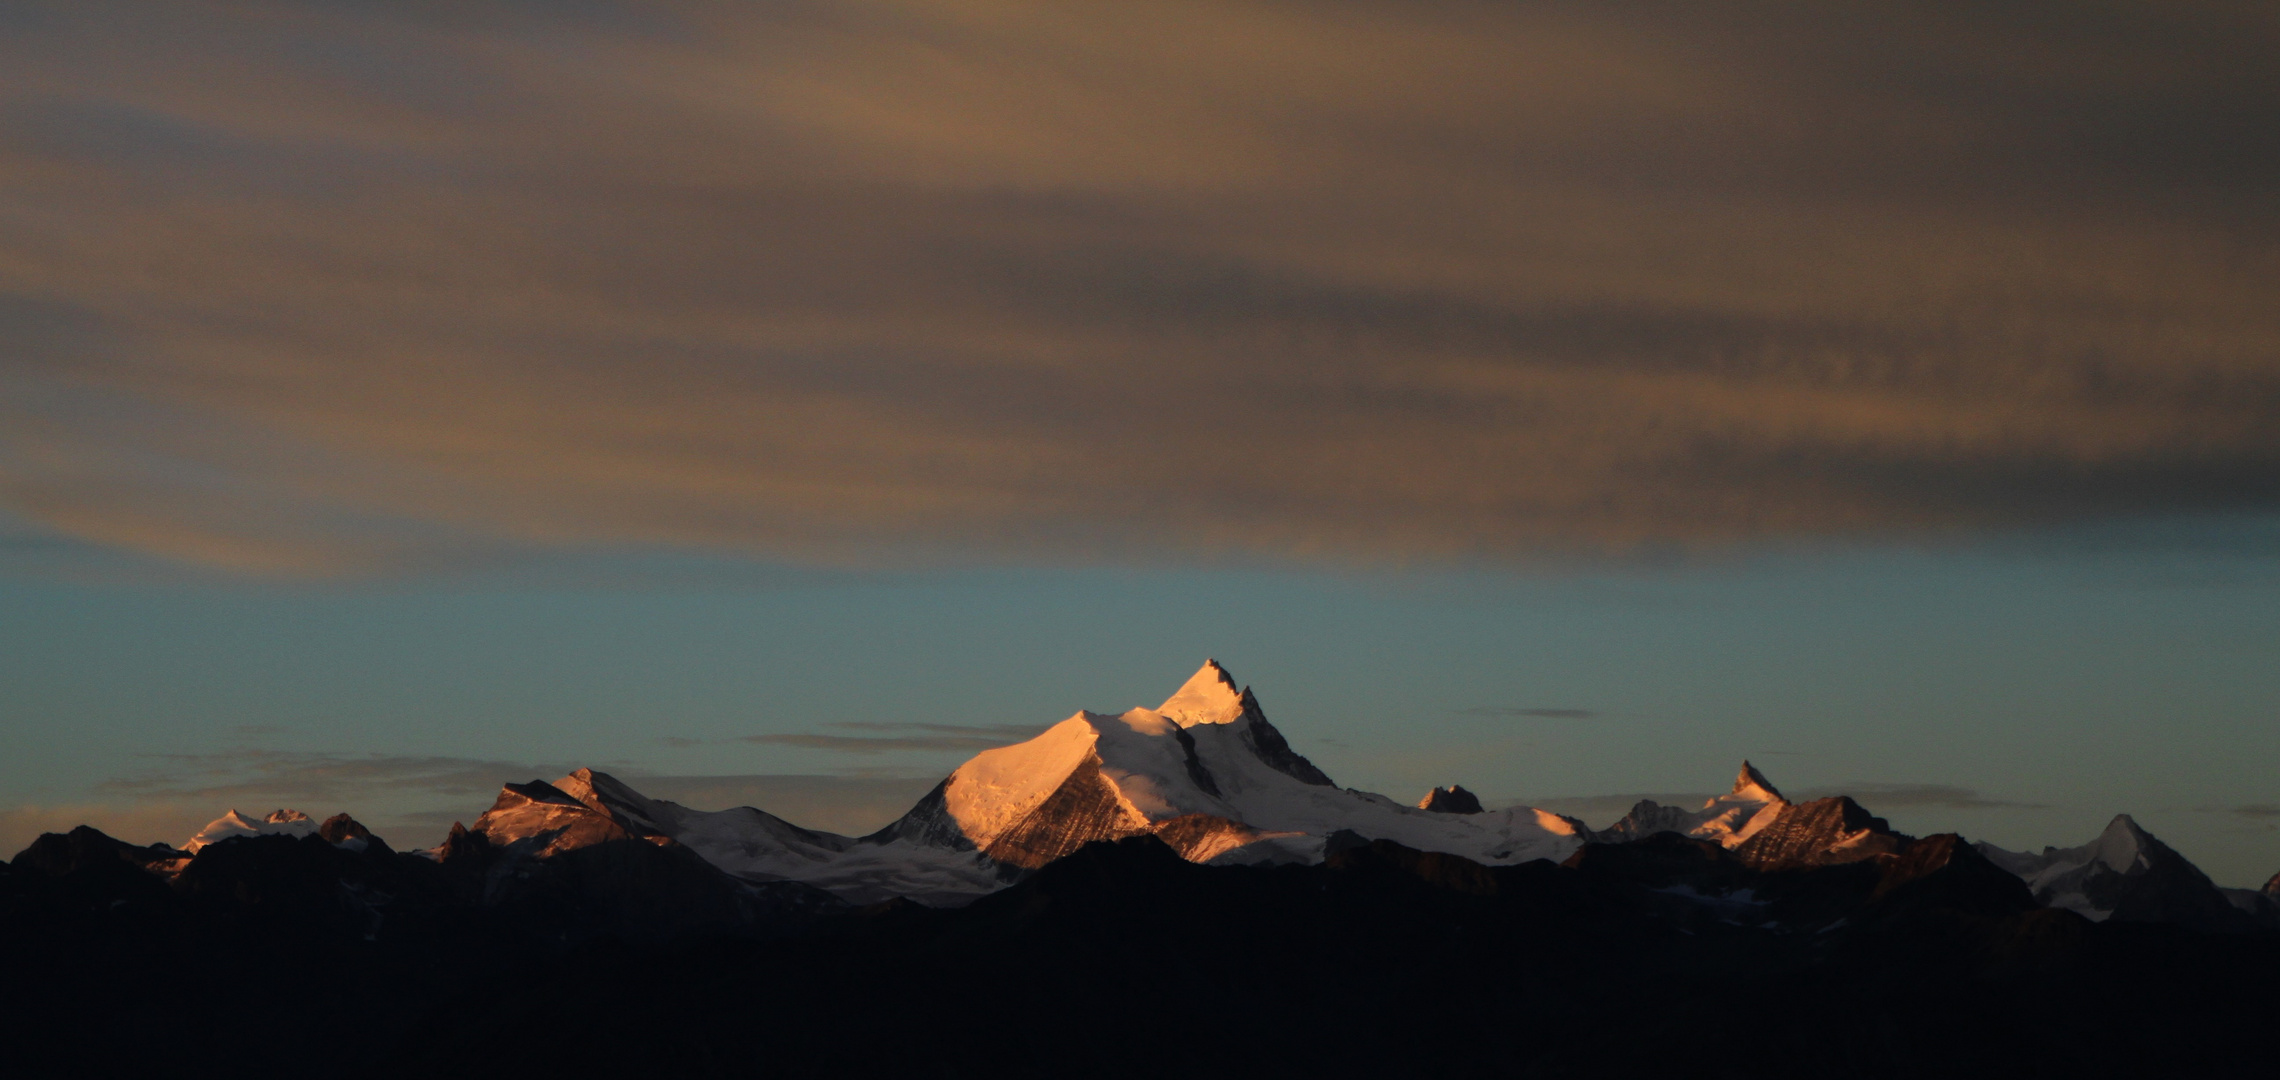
{"x": 315, "y": 290}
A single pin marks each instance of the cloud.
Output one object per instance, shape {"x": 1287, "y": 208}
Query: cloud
{"x": 2253, "y": 810}
{"x": 1509, "y": 711}
{"x": 1601, "y": 811}
{"x": 932, "y": 737}
{"x": 849, "y": 805}
{"x": 316, "y": 778}
{"x": 1911, "y": 796}
{"x": 337, "y": 290}
{"x": 1604, "y": 810}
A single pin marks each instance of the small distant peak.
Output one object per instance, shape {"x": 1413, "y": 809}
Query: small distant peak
{"x": 1210, "y": 696}
{"x": 1752, "y": 783}
{"x": 2124, "y": 846}
{"x": 2272, "y": 887}
{"x": 1453, "y": 799}
{"x": 341, "y": 828}
{"x": 236, "y": 823}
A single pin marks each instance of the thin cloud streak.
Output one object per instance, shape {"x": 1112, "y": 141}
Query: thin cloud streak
{"x": 348, "y": 289}
{"x": 1604, "y": 810}
{"x": 2258, "y": 811}
{"x": 315, "y": 777}
{"x": 1516, "y": 712}
{"x": 1913, "y": 796}
{"x": 924, "y": 737}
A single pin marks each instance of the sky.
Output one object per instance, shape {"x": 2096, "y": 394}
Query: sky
{"x": 777, "y": 402}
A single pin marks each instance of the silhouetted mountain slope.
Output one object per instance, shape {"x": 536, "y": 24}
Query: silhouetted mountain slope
{"x": 1671, "y": 955}
{"x": 1818, "y": 833}
{"x": 1124, "y": 960}
{"x": 1167, "y": 891}
{"x": 2125, "y": 875}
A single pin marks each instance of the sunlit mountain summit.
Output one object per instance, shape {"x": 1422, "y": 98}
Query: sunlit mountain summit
{"x": 1208, "y": 775}
{"x": 1205, "y": 772}
{"x": 1178, "y": 850}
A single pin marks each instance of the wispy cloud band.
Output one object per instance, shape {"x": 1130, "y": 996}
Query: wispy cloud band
{"x": 299, "y": 289}
{"x": 893, "y": 737}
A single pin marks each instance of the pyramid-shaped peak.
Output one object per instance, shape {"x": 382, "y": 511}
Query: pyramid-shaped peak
{"x": 2124, "y": 846}
{"x": 1210, "y": 696}
{"x": 1752, "y": 783}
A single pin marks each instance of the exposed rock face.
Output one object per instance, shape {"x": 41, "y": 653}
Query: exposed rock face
{"x": 590, "y": 851}
{"x": 1083, "y": 809}
{"x": 2125, "y": 874}
{"x": 1942, "y": 871}
{"x": 1819, "y": 833}
{"x": 1453, "y": 799}
{"x": 1268, "y": 743}
{"x": 1647, "y": 818}
{"x": 86, "y": 848}
{"x": 2272, "y": 887}
{"x": 1205, "y": 838}
{"x": 342, "y": 830}
{"x": 88, "y": 869}
{"x": 1728, "y": 819}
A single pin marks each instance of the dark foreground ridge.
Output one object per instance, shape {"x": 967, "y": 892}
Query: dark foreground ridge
{"x": 299, "y": 956}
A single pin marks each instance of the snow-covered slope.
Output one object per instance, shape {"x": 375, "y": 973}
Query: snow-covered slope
{"x": 2124, "y": 874}
{"x": 538, "y": 820}
{"x": 278, "y": 823}
{"x": 1206, "y": 771}
{"x": 1729, "y": 819}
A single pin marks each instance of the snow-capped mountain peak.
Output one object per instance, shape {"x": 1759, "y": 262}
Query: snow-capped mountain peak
{"x": 613, "y": 798}
{"x": 1210, "y": 696}
{"x": 2125, "y": 874}
{"x": 1752, "y": 784}
{"x": 277, "y": 823}
{"x": 2122, "y": 847}
{"x": 1206, "y": 772}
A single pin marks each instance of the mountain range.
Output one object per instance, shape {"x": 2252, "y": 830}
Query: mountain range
{"x": 1193, "y": 825}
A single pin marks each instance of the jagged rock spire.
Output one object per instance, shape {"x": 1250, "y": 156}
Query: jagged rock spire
{"x": 1453, "y": 799}
{"x": 1753, "y": 783}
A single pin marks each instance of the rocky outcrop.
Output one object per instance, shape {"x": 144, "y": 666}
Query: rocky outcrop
{"x": 89, "y": 870}
{"x": 1647, "y": 818}
{"x": 1085, "y": 808}
{"x": 341, "y": 830}
{"x": 1819, "y": 833}
{"x": 1453, "y": 799}
{"x": 1268, "y": 743}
